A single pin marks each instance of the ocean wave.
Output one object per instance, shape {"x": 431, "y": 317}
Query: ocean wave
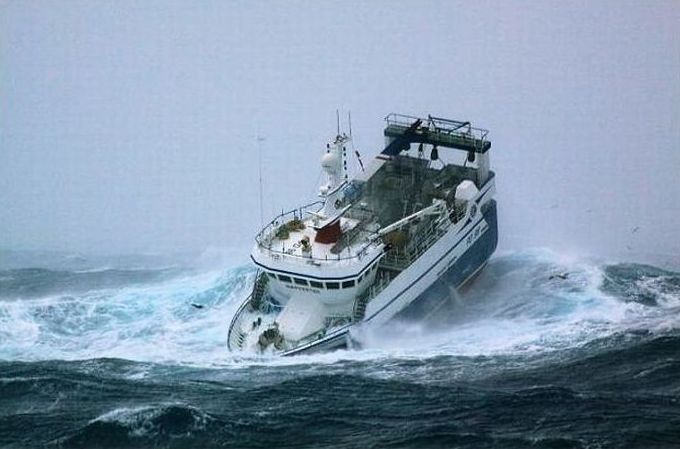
{"x": 522, "y": 303}
{"x": 643, "y": 283}
{"x": 154, "y": 322}
{"x": 23, "y": 283}
{"x": 535, "y": 302}
{"x": 140, "y": 427}
{"x": 617, "y": 391}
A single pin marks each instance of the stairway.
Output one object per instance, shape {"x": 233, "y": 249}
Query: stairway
{"x": 258, "y": 290}
{"x": 360, "y": 308}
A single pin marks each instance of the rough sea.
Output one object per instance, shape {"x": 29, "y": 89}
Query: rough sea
{"x": 542, "y": 351}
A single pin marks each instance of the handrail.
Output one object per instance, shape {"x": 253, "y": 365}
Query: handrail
{"x": 237, "y": 317}
{"x": 362, "y": 300}
{"x": 358, "y": 255}
{"x": 438, "y": 131}
{"x": 438, "y": 124}
{"x": 283, "y": 214}
{"x": 269, "y": 228}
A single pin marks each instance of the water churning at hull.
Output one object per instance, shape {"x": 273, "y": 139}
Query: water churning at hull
{"x": 513, "y": 307}
{"x": 540, "y": 350}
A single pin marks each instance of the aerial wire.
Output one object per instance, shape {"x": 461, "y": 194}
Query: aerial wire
{"x": 356, "y": 152}
{"x": 260, "y": 139}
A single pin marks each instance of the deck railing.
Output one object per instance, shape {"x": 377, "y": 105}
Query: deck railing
{"x": 283, "y": 218}
{"x": 360, "y": 304}
{"x": 399, "y": 259}
{"x": 236, "y": 336}
{"x": 441, "y": 131}
{"x": 265, "y": 237}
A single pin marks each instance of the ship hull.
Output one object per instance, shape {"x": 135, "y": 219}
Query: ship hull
{"x": 466, "y": 266}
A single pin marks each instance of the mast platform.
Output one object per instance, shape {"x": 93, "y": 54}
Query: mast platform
{"x": 404, "y": 130}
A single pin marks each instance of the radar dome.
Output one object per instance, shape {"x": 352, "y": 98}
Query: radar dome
{"x": 329, "y": 162}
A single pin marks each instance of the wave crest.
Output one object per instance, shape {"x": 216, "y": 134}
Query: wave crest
{"x": 524, "y": 302}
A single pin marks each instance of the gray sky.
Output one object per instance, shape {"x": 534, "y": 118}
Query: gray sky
{"x": 131, "y": 126}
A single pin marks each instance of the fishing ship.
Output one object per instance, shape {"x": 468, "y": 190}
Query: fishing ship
{"x": 402, "y": 232}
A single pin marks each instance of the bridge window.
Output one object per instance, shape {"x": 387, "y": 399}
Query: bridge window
{"x": 332, "y": 285}
{"x": 299, "y": 281}
{"x": 271, "y": 275}
{"x": 348, "y": 284}
{"x": 283, "y": 278}
{"x": 316, "y": 284}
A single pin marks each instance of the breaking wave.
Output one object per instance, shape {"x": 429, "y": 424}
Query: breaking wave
{"x": 524, "y": 302}
{"x": 540, "y": 351}
{"x": 149, "y": 318}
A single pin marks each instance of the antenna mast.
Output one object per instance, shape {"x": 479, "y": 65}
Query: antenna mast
{"x": 259, "y": 167}
{"x": 349, "y": 120}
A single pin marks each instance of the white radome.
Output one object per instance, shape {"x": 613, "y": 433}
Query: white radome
{"x": 329, "y": 162}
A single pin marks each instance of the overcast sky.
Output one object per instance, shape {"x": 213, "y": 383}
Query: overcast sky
{"x": 132, "y": 126}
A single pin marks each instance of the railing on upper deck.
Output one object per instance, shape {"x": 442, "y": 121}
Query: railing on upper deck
{"x": 440, "y": 131}
{"x": 265, "y": 237}
{"x": 283, "y": 217}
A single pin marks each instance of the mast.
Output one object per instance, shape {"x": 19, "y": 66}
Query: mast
{"x": 334, "y": 164}
{"x": 260, "y": 139}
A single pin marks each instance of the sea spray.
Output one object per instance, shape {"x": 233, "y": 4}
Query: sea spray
{"x": 541, "y": 351}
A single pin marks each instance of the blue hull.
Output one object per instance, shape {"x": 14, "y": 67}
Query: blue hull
{"x": 459, "y": 273}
